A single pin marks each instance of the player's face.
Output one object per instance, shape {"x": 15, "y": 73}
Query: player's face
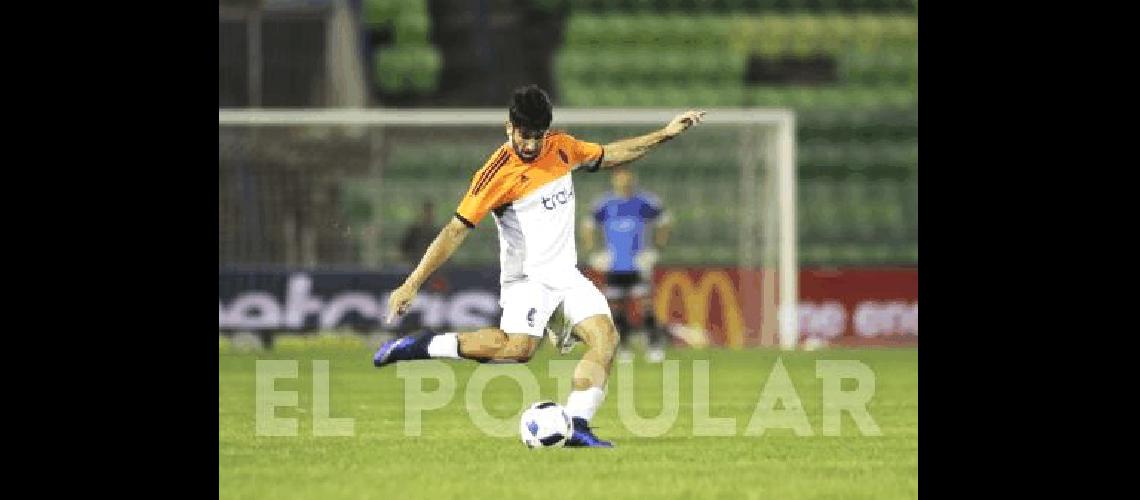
{"x": 527, "y": 142}
{"x": 622, "y": 181}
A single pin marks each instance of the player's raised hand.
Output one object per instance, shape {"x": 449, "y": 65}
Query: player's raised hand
{"x": 399, "y": 301}
{"x": 683, "y": 121}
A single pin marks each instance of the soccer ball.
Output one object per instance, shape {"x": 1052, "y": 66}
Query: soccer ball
{"x": 544, "y": 425}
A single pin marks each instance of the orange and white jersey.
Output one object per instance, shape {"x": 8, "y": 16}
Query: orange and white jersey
{"x": 533, "y": 205}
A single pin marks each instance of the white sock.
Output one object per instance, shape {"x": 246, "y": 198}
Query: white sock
{"x": 583, "y": 404}
{"x": 444, "y": 345}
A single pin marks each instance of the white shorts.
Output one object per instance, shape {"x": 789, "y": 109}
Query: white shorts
{"x": 528, "y": 305}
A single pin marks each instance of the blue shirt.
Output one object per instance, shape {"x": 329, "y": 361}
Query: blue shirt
{"x": 623, "y": 222}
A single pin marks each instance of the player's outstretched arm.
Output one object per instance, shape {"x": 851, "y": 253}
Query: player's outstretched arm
{"x": 445, "y": 244}
{"x": 628, "y": 150}
{"x": 661, "y": 233}
{"x": 586, "y": 230}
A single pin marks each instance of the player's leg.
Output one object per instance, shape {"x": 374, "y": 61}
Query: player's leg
{"x": 622, "y": 324}
{"x": 493, "y": 345}
{"x": 617, "y": 293}
{"x": 643, "y": 296}
{"x": 601, "y": 338}
{"x": 590, "y": 377}
{"x": 588, "y": 311}
{"x": 488, "y": 345}
{"x": 526, "y": 309}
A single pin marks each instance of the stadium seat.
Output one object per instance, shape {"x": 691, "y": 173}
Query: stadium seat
{"x": 891, "y": 219}
{"x": 383, "y": 12}
{"x": 838, "y": 28}
{"x": 411, "y": 28}
{"x": 570, "y": 65}
{"x": 569, "y": 93}
{"x": 379, "y": 12}
{"x": 408, "y": 66}
{"x": 580, "y": 31}
{"x": 900, "y": 30}
{"x": 713, "y": 31}
{"x": 816, "y": 254}
{"x": 621, "y": 30}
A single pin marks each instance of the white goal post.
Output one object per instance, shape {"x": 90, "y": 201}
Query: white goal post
{"x": 772, "y": 129}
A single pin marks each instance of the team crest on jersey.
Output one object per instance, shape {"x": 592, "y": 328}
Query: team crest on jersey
{"x": 530, "y": 316}
{"x": 562, "y": 155}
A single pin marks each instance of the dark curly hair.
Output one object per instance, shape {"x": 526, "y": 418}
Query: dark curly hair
{"x": 530, "y": 108}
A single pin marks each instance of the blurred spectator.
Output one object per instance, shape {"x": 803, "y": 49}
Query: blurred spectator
{"x": 629, "y": 256}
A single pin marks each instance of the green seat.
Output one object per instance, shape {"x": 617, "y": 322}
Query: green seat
{"x": 623, "y": 30}
{"x": 587, "y": 97}
{"x": 899, "y": 97}
{"x": 587, "y": 30}
{"x": 411, "y": 28}
{"x": 766, "y": 97}
{"x": 607, "y": 67}
{"x": 380, "y": 12}
{"x": 674, "y": 96}
{"x": 858, "y": 98}
{"x": 426, "y": 66}
{"x": 408, "y": 69}
{"x": 701, "y": 66}
{"x": 805, "y": 33}
{"x": 640, "y": 67}
{"x": 830, "y": 227}
{"x": 650, "y": 31}
{"x": 743, "y": 34}
{"x": 730, "y": 67}
{"x": 668, "y": 64}
{"x": 607, "y": 96}
{"x": 868, "y": 33}
{"x": 570, "y": 65}
{"x": 900, "y": 30}
{"x": 773, "y": 36}
{"x": 838, "y": 31}
{"x": 714, "y": 30}
{"x": 892, "y": 215}
{"x": 816, "y": 254}
{"x": 683, "y": 32}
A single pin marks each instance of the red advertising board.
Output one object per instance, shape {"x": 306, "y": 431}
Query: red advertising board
{"x": 838, "y": 306}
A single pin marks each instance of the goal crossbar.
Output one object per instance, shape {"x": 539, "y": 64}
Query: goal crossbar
{"x": 470, "y": 116}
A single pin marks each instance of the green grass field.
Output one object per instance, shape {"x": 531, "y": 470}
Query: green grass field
{"x": 453, "y": 458}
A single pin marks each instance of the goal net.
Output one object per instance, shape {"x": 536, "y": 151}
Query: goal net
{"x": 336, "y": 189}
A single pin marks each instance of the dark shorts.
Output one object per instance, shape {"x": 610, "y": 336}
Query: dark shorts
{"x": 620, "y": 285}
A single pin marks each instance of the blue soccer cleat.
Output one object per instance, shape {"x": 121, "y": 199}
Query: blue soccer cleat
{"x": 391, "y": 351}
{"x": 583, "y": 436}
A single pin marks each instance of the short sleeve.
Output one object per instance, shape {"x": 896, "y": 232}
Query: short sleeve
{"x": 487, "y": 190}
{"x": 587, "y": 155}
{"x": 599, "y": 212}
{"x": 651, "y": 206}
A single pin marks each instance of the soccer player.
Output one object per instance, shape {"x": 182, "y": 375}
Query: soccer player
{"x": 526, "y": 183}
{"x": 624, "y": 215}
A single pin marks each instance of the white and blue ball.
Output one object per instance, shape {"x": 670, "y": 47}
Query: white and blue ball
{"x": 545, "y": 425}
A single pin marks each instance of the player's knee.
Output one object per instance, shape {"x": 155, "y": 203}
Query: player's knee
{"x": 609, "y": 337}
{"x": 600, "y": 334}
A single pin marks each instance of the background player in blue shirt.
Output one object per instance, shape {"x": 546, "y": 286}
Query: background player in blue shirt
{"x": 623, "y": 215}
